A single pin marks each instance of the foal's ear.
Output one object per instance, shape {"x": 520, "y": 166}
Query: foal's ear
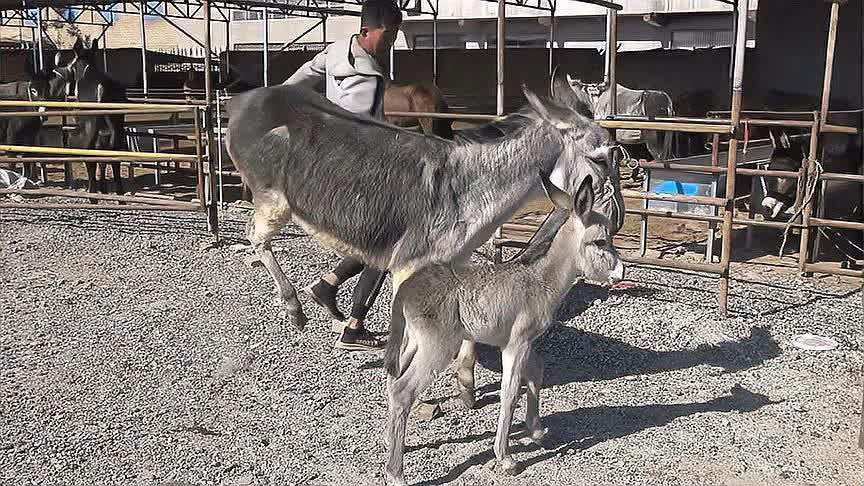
{"x": 560, "y": 118}
{"x": 583, "y": 201}
{"x": 558, "y": 197}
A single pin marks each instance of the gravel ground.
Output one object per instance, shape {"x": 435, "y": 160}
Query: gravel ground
{"x": 129, "y": 355}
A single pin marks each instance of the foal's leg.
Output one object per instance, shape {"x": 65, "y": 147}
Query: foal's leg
{"x": 271, "y": 214}
{"x": 533, "y": 374}
{"x": 465, "y": 372}
{"x": 513, "y": 359}
{"x": 425, "y": 354}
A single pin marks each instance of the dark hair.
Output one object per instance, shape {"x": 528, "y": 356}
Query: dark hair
{"x": 380, "y": 13}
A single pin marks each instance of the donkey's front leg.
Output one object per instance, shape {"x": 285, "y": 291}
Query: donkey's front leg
{"x": 465, "y": 373}
{"x": 513, "y": 359}
{"x": 533, "y": 374}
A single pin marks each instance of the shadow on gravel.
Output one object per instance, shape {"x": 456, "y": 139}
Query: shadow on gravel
{"x": 583, "y": 428}
{"x": 572, "y": 355}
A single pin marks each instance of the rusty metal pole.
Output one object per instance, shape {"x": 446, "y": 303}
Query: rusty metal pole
{"x": 551, "y": 39}
{"x": 435, "y": 45}
{"x": 39, "y": 39}
{"x": 499, "y": 47}
{"x": 199, "y": 163}
{"x": 212, "y": 209}
{"x": 809, "y": 170}
{"x": 266, "y": 47}
{"x": 819, "y": 121}
{"x": 731, "y": 162}
{"x": 141, "y": 7}
{"x": 611, "y": 60}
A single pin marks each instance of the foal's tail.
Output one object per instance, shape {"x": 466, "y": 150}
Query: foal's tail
{"x": 397, "y": 336}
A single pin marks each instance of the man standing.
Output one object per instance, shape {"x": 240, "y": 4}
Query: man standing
{"x": 354, "y": 80}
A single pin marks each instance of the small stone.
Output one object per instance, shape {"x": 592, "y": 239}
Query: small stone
{"x": 252, "y": 261}
{"x": 427, "y": 411}
{"x": 246, "y": 480}
{"x": 571, "y": 451}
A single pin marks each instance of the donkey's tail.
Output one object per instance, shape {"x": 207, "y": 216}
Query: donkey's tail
{"x": 397, "y": 336}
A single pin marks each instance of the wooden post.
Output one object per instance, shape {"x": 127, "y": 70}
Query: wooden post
{"x": 731, "y": 161}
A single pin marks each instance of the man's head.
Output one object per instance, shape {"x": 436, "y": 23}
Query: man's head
{"x": 379, "y": 24}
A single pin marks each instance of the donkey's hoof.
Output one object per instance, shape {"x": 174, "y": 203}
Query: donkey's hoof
{"x": 467, "y": 397}
{"x": 509, "y": 466}
{"x": 538, "y": 435}
{"x": 394, "y": 479}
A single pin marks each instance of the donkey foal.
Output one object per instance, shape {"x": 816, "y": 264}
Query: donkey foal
{"x": 508, "y": 305}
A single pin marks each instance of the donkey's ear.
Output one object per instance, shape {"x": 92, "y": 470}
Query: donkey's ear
{"x": 57, "y": 58}
{"x": 558, "y": 197}
{"x": 563, "y": 92}
{"x": 559, "y": 117}
{"x": 584, "y": 199}
{"x": 94, "y": 44}
{"x": 78, "y": 47}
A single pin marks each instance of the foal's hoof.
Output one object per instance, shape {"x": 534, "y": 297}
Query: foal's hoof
{"x": 466, "y": 394}
{"x": 394, "y": 479}
{"x": 298, "y": 319}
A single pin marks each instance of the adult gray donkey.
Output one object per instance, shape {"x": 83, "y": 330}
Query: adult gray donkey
{"x": 647, "y": 103}
{"x": 391, "y": 198}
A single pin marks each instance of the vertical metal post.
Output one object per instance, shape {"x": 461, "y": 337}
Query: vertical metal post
{"x": 324, "y": 30}
{"x": 39, "y": 39}
{"x": 212, "y": 209}
{"x": 731, "y": 162}
{"x": 266, "y": 47}
{"x": 807, "y": 210}
{"x": 141, "y": 7}
{"x": 829, "y": 62}
{"x": 105, "y": 50}
{"x": 822, "y": 118}
{"x": 611, "y": 59}
{"x": 227, "y": 68}
{"x": 34, "y": 48}
{"x": 712, "y": 226}
{"x": 551, "y": 39}
{"x": 435, "y": 45}
{"x": 219, "y": 153}
{"x": 499, "y": 44}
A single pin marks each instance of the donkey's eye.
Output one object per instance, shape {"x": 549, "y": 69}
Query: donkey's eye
{"x": 599, "y": 243}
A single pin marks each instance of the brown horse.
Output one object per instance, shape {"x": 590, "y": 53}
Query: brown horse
{"x": 422, "y": 97}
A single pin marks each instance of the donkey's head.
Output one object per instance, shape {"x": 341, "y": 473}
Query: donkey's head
{"x": 585, "y": 151}
{"x": 592, "y": 238}
{"x": 84, "y": 58}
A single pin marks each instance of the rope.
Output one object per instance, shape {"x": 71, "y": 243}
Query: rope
{"x": 746, "y": 135}
{"x": 810, "y": 191}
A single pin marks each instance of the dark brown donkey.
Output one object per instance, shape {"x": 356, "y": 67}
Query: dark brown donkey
{"x": 423, "y": 97}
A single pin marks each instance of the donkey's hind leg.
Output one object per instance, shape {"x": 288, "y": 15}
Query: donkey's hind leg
{"x": 427, "y": 351}
{"x": 271, "y": 214}
{"x": 465, "y": 373}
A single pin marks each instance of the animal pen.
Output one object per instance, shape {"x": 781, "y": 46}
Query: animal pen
{"x": 208, "y": 118}
{"x": 207, "y": 135}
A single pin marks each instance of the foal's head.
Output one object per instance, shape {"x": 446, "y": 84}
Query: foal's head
{"x": 592, "y": 238}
